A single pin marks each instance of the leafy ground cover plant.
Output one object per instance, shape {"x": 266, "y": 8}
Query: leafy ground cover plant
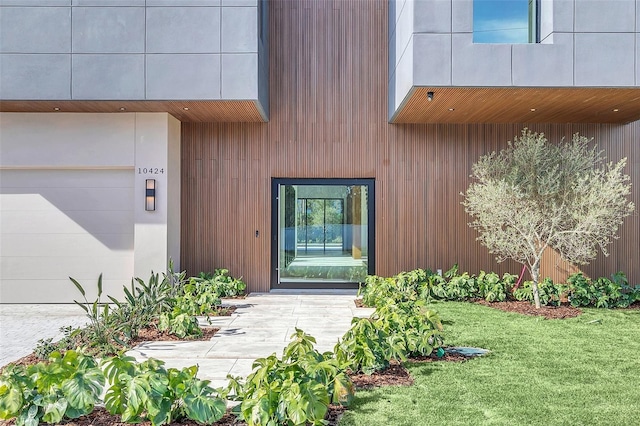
{"x": 179, "y": 324}
{"x": 149, "y": 391}
{"x": 103, "y": 331}
{"x": 394, "y": 332}
{"x": 66, "y": 387}
{"x": 112, "y": 327}
{"x": 549, "y": 292}
{"x": 293, "y": 390}
{"x": 222, "y": 283}
{"x": 602, "y": 292}
{"x": 168, "y": 301}
{"x": 421, "y": 284}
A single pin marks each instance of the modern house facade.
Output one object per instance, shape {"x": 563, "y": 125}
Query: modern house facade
{"x": 301, "y": 144}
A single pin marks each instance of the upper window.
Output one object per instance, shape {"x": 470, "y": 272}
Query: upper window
{"x": 505, "y": 21}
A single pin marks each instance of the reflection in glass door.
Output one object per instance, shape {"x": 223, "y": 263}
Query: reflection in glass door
{"x": 323, "y": 230}
{"x": 320, "y": 224}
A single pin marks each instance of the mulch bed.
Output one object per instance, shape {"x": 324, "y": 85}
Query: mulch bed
{"x": 526, "y": 308}
{"x": 395, "y": 375}
{"x": 101, "y": 417}
{"x": 152, "y": 334}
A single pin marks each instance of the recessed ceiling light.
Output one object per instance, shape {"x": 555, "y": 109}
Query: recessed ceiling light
{"x": 56, "y": 109}
{"x": 123, "y": 109}
{"x": 616, "y": 110}
{"x": 186, "y": 108}
{"x": 533, "y": 109}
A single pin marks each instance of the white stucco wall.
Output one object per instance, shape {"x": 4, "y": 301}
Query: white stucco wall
{"x": 72, "y": 202}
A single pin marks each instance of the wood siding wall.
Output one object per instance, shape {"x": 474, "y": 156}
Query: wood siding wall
{"x": 328, "y": 81}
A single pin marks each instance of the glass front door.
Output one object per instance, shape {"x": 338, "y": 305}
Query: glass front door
{"x": 323, "y": 232}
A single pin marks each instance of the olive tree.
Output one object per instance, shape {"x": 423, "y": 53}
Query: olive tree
{"x": 535, "y": 194}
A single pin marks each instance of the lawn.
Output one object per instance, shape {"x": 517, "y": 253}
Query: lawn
{"x": 580, "y": 371}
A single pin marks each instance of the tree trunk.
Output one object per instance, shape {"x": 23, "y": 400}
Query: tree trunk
{"x": 535, "y": 275}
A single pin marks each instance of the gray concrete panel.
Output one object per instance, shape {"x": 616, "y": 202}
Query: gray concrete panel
{"x": 432, "y": 16}
{"x": 605, "y": 16}
{"x": 183, "y": 30}
{"x": 391, "y": 17}
{"x": 462, "y": 16}
{"x": 240, "y": 76}
{"x": 33, "y": 3}
{"x": 546, "y": 18}
{"x": 544, "y": 64}
{"x": 479, "y": 64}
{"x": 263, "y": 80}
{"x": 638, "y": 59}
{"x": 183, "y": 3}
{"x": 392, "y": 57}
{"x": 603, "y": 59}
{"x": 239, "y": 29}
{"x": 108, "y": 76}
{"x": 404, "y": 31}
{"x": 404, "y": 75}
{"x": 108, "y": 30}
{"x": 185, "y": 76}
{"x": 35, "y": 30}
{"x": 432, "y": 60}
{"x": 232, "y": 3}
{"x": 563, "y": 15}
{"x": 40, "y": 77}
{"x": 108, "y": 3}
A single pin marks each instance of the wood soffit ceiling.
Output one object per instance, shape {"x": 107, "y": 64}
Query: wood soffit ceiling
{"x": 520, "y": 105}
{"x": 185, "y": 111}
{"x": 464, "y": 105}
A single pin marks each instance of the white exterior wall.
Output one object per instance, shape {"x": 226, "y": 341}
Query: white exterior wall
{"x": 72, "y": 202}
{"x": 584, "y": 43}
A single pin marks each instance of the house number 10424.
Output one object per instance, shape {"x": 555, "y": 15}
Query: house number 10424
{"x": 150, "y": 171}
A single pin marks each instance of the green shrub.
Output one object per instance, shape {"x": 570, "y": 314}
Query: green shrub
{"x": 149, "y": 391}
{"x": 394, "y": 332}
{"x": 197, "y": 297}
{"x": 602, "y": 292}
{"x": 66, "y": 387}
{"x": 103, "y": 332}
{"x": 421, "y": 284}
{"x": 179, "y": 324}
{"x": 112, "y": 327}
{"x": 492, "y": 288}
{"x": 222, "y": 283}
{"x": 418, "y": 284}
{"x": 293, "y": 390}
{"x": 550, "y": 293}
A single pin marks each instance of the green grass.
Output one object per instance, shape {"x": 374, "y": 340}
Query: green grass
{"x": 540, "y": 372}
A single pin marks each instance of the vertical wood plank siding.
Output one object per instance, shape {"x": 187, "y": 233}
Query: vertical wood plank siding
{"x": 328, "y": 86}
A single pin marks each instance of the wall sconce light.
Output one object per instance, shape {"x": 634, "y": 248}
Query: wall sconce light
{"x": 429, "y": 96}
{"x": 150, "y": 195}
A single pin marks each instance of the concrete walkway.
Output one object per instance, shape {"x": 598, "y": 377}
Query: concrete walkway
{"x": 261, "y": 325}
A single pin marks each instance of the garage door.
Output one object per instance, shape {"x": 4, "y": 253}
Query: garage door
{"x": 58, "y": 223}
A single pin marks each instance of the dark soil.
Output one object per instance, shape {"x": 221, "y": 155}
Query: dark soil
{"x": 526, "y": 308}
{"x": 101, "y": 417}
{"x": 395, "y": 375}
